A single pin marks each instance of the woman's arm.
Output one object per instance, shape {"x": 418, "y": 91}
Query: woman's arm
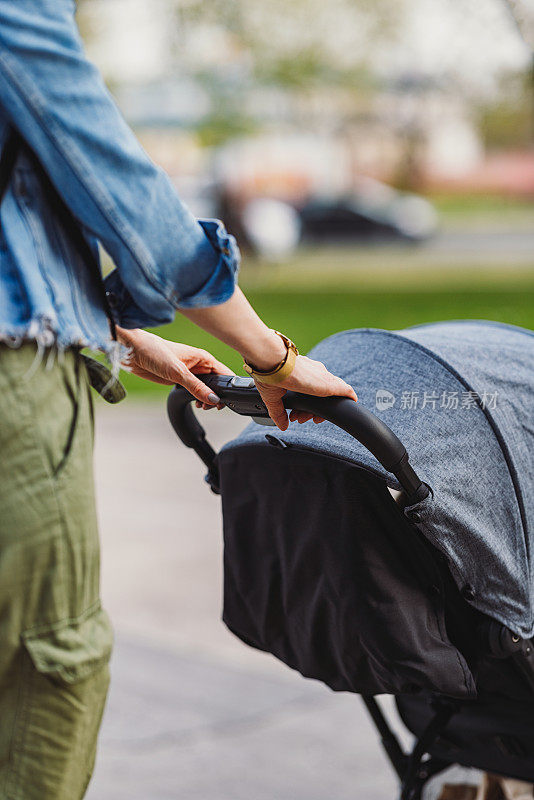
{"x": 236, "y": 324}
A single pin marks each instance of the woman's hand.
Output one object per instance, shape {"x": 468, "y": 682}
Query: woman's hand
{"x": 162, "y": 361}
{"x": 236, "y": 323}
{"x": 308, "y": 377}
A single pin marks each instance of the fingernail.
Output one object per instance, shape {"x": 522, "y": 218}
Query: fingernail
{"x": 212, "y": 397}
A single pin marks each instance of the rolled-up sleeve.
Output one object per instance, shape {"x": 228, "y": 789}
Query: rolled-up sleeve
{"x": 217, "y": 288}
{"x": 165, "y": 259}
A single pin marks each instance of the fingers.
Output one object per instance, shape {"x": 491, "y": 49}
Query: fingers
{"x": 198, "y": 389}
{"x": 272, "y": 397}
{"x": 220, "y": 369}
{"x": 304, "y": 416}
{"x": 209, "y": 363}
{"x": 207, "y": 407}
{"x": 299, "y": 416}
{"x": 342, "y": 389}
{"x": 277, "y": 413}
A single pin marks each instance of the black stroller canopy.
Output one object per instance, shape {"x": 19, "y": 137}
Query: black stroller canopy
{"x": 460, "y": 397}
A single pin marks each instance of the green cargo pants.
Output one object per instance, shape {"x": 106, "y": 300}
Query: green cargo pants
{"x": 55, "y": 639}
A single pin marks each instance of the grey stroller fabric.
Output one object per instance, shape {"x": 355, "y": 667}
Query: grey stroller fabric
{"x": 460, "y": 395}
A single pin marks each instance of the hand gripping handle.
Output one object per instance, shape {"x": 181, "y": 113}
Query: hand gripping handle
{"x": 242, "y": 397}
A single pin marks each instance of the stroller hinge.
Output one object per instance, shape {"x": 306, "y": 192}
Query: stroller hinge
{"x": 523, "y": 659}
{"x": 504, "y": 643}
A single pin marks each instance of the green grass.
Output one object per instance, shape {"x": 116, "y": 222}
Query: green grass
{"x": 311, "y": 305}
{"x": 468, "y": 202}
{"x": 482, "y": 207}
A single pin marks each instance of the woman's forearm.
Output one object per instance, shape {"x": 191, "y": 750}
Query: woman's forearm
{"x": 236, "y": 324}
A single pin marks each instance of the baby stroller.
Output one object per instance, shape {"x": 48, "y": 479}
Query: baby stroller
{"x": 378, "y": 574}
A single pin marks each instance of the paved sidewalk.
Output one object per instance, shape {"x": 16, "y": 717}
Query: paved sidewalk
{"x": 182, "y": 728}
{"x": 193, "y": 714}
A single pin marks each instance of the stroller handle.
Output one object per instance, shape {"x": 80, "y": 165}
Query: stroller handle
{"x": 242, "y": 397}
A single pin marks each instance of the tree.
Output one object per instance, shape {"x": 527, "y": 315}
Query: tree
{"x": 299, "y": 48}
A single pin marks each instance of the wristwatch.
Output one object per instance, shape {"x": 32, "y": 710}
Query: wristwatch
{"x": 281, "y": 371}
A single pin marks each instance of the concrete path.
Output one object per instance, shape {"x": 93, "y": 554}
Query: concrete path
{"x": 193, "y": 714}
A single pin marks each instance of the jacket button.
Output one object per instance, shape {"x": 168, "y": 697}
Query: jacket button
{"x": 414, "y": 516}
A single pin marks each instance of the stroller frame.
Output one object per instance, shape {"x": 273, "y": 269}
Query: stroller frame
{"x": 412, "y": 769}
{"x": 415, "y": 768}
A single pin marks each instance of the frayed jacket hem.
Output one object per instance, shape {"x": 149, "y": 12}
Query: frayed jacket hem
{"x": 45, "y": 333}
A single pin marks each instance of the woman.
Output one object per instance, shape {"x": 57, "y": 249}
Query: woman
{"x": 73, "y": 175}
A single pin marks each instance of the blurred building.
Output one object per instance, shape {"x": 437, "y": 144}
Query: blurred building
{"x": 405, "y": 112}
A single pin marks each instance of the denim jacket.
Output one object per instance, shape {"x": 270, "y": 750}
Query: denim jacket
{"x": 164, "y": 258}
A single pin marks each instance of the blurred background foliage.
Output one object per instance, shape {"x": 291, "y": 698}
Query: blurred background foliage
{"x": 375, "y": 158}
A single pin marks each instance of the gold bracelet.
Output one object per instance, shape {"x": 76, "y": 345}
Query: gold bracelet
{"x": 281, "y": 371}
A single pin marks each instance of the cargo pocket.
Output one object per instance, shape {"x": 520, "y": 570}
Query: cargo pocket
{"x": 63, "y": 689}
{"x": 70, "y": 652}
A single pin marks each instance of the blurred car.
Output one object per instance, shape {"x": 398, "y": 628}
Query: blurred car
{"x": 375, "y": 212}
